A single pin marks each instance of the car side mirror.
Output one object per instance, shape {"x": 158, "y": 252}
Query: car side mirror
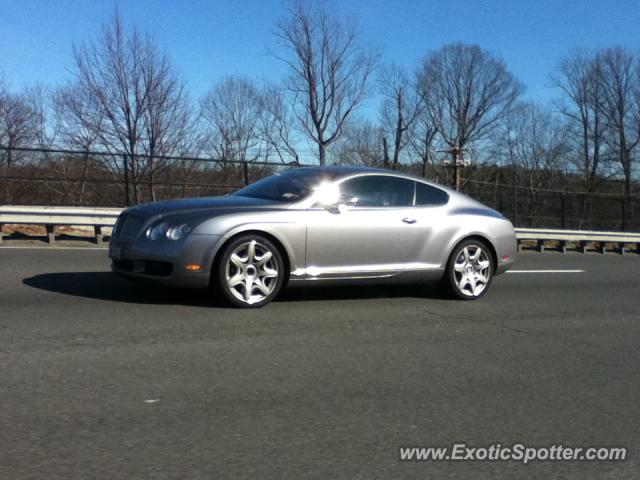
{"x": 336, "y": 208}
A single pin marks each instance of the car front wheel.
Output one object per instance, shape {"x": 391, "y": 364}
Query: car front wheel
{"x": 250, "y": 271}
{"x": 470, "y": 270}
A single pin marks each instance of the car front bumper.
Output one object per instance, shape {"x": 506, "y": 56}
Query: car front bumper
{"x": 164, "y": 261}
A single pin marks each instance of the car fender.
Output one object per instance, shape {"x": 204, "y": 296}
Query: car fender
{"x": 290, "y": 235}
{"x": 498, "y": 232}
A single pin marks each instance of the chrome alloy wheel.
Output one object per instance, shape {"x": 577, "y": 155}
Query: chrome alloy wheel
{"x": 251, "y": 272}
{"x": 472, "y": 270}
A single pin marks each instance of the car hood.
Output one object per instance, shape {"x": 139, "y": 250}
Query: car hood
{"x": 202, "y": 205}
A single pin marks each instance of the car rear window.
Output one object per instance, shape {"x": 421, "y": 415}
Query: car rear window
{"x": 428, "y": 195}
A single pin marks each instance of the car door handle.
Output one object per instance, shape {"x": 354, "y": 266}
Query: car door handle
{"x": 409, "y": 220}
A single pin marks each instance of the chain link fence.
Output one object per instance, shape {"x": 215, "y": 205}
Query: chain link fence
{"x": 36, "y": 176}
{"x": 568, "y": 210}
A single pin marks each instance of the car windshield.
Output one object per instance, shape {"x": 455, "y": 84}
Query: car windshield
{"x": 288, "y": 186}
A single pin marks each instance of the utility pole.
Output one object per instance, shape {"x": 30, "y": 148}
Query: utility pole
{"x": 457, "y": 162}
{"x": 455, "y": 152}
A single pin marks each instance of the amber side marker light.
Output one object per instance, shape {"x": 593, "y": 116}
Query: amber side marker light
{"x": 192, "y": 267}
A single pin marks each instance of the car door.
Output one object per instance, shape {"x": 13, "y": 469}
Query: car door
{"x": 371, "y": 233}
{"x": 430, "y": 213}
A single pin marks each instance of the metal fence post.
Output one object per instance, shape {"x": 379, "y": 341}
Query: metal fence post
{"x": 562, "y": 217}
{"x": 515, "y": 206}
{"x": 127, "y": 200}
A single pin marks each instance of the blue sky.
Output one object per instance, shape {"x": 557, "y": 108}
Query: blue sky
{"x": 210, "y": 39}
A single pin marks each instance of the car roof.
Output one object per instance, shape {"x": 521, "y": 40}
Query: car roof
{"x": 341, "y": 171}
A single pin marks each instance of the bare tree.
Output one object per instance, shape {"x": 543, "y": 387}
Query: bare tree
{"x": 400, "y": 109}
{"x": 466, "y": 92}
{"x": 46, "y": 133}
{"x": 17, "y": 121}
{"x": 167, "y": 121}
{"x": 80, "y": 122}
{"x": 45, "y": 123}
{"x": 80, "y": 127}
{"x": 17, "y": 129}
{"x": 617, "y": 80}
{"x": 135, "y": 98}
{"x": 4, "y": 88}
{"x": 361, "y": 144}
{"x": 329, "y": 71}
{"x": 537, "y": 146}
{"x": 422, "y": 139}
{"x": 4, "y": 94}
{"x": 579, "y": 77}
{"x": 232, "y": 114}
{"x": 277, "y": 126}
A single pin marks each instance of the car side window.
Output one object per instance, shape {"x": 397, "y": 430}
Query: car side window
{"x": 377, "y": 191}
{"x": 427, "y": 195}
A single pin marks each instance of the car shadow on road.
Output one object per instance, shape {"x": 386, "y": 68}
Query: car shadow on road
{"x": 110, "y": 287}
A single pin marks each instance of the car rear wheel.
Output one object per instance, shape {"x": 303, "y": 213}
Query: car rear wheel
{"x": 250, "y": 271}
{"x": 470, "y": 270}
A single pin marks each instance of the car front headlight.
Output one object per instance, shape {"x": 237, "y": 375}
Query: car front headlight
{"x": 171, "y": 232}
{"x": 157, "y": 231}
{"x": 177, "y": 232}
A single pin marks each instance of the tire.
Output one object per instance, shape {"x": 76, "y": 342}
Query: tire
{"x": 244, "y": 277}
{"x": 469, "y": 270}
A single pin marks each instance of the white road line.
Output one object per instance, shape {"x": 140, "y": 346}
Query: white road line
{"x": 545, "y": 271}
{"x": 53, "y": 248}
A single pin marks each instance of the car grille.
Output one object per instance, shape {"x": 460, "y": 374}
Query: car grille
{"x": 128, "y": 227}
{"x": 148, "y": 267}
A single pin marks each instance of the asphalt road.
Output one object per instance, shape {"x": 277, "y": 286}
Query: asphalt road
{"x": 100, "y": 378}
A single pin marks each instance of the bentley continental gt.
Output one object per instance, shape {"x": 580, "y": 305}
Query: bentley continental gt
{"x": 316, "y": 224}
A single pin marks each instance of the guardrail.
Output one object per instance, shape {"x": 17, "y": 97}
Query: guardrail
{"x": 98, "y": 218}
{"x": 51, "y": 217}
{"x": 581, "y": 238}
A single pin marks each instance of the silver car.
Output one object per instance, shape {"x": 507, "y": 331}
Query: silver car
{"x": 312, "y": 225}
